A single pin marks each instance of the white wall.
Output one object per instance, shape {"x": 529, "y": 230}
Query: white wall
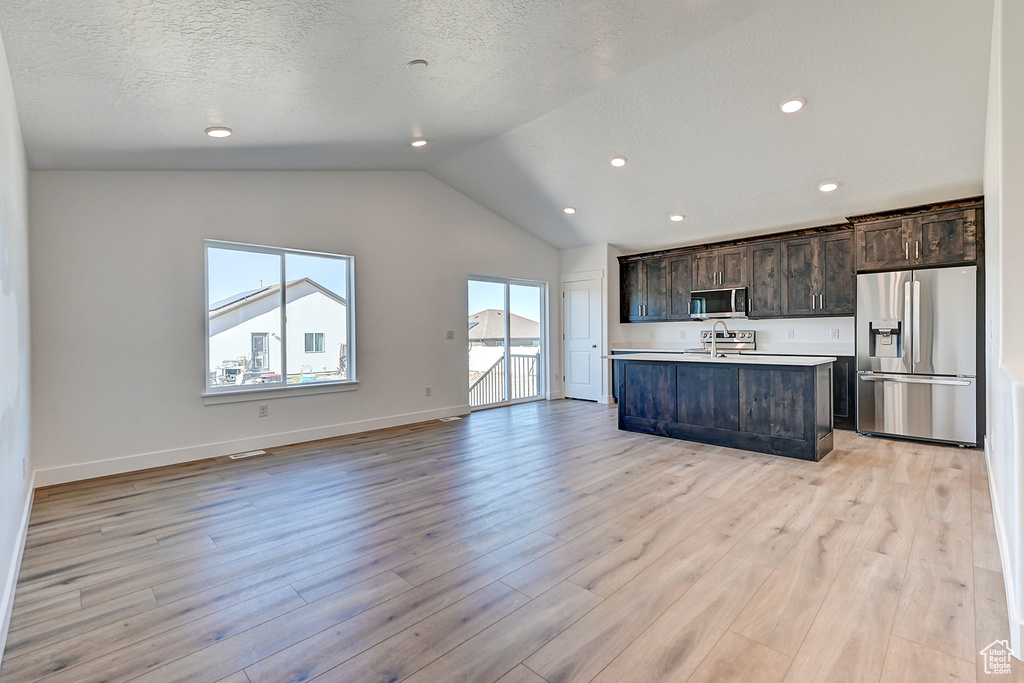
{"x": 1004, "y": 280}
{"x": 117, "y": 310}
{"x": 15, "y": 488}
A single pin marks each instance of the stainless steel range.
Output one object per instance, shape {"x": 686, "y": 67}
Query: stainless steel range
{"x": 729, "y": 341}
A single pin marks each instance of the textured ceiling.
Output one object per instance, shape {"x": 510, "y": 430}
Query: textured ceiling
{"x": 525, "y": 102}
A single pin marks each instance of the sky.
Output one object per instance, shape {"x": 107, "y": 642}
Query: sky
{"x": 232, "y": 272}
{"x": 523, "y": 300}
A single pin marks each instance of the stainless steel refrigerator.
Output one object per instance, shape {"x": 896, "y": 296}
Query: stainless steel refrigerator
{"x": 916, "y": 354}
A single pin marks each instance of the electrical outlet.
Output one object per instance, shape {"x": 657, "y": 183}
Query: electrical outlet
{"x": 450, "y": 334}
{"x": 835, "y": 333}
{"x": 682, "y": 334}
{"x": 263, "y": 410}
{"x": 428, "y": 391}
{"x": 790, "y": 334}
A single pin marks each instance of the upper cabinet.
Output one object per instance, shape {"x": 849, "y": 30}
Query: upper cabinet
{"x": 803, "y": 273}
{"x": 679, "y": 273}
{"x": 818, "y": 276}
{"x": 718, "y": 268}
{"x": 941, "y": 234}
{"x": 765, "y": 291}
{"x": 643, "y": 283}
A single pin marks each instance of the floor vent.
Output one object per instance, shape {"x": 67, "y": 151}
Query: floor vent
{"x": 453, "y": 418}
{"x": 247, "y": 454}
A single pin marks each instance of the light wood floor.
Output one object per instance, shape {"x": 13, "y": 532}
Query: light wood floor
{"x": 526, "y": 544}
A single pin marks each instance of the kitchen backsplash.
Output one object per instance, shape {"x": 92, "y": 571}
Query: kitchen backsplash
{"x": 818, "y": 336}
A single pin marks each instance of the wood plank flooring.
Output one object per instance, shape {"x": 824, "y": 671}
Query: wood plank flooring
{"x": 531, "y": 544}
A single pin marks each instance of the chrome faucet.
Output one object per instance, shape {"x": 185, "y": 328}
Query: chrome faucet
{"x": 714, "y": 338}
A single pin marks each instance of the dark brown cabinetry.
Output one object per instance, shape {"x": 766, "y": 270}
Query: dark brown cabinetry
{"x": 803, "y": 273}
{"x": 643, "y": 283}
{"x": 717, "y": 268}
{"x": 679, "y": 271}
{"x": 777, "y": 409}
{"x": 818, "y": 276}
{"x": 947, "y": 235}
{"x": 844, "y": 387}
{"x": 765, "y": 291}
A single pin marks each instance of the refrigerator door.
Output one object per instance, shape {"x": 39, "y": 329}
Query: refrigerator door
{"x": 919, "y": 406}
{"x": 944, "y": 321}
{"x": 883, "y": 303}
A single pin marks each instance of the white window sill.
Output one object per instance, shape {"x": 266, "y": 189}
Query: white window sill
{"x": 264, "y": 393}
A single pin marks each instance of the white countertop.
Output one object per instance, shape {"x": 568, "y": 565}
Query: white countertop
{"x": 799, "y": 350}
{"x": 745, "y": 359}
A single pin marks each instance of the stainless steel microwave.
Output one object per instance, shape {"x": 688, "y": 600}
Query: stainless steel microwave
{"x": 718, "y": 303}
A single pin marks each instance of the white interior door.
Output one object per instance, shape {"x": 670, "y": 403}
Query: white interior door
{"x": 582, "y": 327}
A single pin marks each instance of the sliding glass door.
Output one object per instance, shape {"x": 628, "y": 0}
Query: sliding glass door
{"x": 507, "y": 354}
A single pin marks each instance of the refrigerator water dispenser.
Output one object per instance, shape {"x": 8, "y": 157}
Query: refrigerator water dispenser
{"x": 885, "y": 338}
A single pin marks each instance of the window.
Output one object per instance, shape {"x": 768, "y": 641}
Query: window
{"x": 262, "y": 303}
{"x": 314, "y": 342}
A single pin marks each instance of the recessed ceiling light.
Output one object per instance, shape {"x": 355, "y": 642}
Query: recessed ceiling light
{"x": 618, "y": 162}
{"x": 829, "y": 186}
{"x": 218, "y": 131}
{"x": 792, "y": 106}
{"x": 569, "y": 210}
{"x": 677, "y": 217}
{"x": 416, "y": 65}
{"x": 419, "y": 142}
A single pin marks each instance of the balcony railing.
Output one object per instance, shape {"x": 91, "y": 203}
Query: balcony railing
{"x": 490, "y": 387}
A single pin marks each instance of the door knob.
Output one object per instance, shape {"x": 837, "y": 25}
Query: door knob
{"x": 593, "y": 346}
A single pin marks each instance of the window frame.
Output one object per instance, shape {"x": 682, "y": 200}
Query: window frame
{"x": 317, "y": 348}
{"x": 251, "y": 392}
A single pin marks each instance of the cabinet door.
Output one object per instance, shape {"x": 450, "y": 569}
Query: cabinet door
{"x": 885, "y": 244}
{"x": 732, "y": 267}
{"x": 798, "y": 277}
{"x": 946, "y": 237}
{"x": 632, "y": 292}
{"x": 765, "y": 280}
{"x": 705, "y": 270}
{"x": 680, "y": 279}
{"x": 838, "y": 281}
{"x": 655, "y": 289}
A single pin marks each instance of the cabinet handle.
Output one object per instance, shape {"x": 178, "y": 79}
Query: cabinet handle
{"x": 821, "y": 302}
{"x": 906, "y": 251}
{"x": 812, "y": 302}
{"x": 917, "y": 248}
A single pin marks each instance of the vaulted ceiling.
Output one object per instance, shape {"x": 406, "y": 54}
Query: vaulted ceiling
{"x": 524, "y": 103}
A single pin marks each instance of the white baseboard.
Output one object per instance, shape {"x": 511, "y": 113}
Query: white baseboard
{"x": 7, "y": 600}
{"x": 607, "y": 400}
{"x": 1016, "y": 619}
{"x": 142, "y": 461}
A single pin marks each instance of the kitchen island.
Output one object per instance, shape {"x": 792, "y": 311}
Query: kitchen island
{"x": 780, "y": 405}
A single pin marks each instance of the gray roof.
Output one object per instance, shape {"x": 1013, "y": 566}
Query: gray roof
{"x": 490, "y": 324}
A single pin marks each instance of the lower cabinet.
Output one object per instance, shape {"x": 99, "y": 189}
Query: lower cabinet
{"x": 844, "y": 392}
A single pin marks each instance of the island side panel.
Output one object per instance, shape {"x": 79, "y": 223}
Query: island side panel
{"x": 824, "y": 409}
{"x": 707, "y": 396}
{"x": 648, "y": 392}
{"x": 773, "y": 401}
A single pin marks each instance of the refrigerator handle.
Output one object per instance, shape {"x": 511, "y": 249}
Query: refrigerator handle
{"x": 908, "y": 317}
{"x": 917, "y": 321}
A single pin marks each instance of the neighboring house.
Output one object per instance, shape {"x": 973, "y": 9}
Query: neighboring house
{"x": 487, "y": 328}
{"x": 245, "y": 331}
{"x": 487, "y": 348}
